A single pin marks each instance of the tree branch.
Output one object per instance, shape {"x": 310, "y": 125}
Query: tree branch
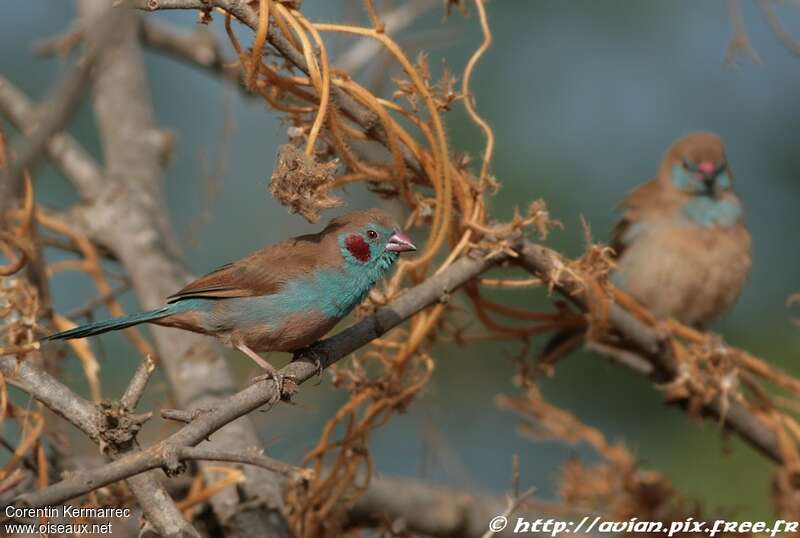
{"x": 56, "y": 396}
{"x": 93, "y": 422}
{"x": 156, "y": 457}
{"x": 55, "y": 113}
{"x": 112, "y": 215}
{"x": 198, "y": 48}
{"x": 168, "y": 452}
{"x": 544, "y": 262}
{"x": 786, "y": 39}
{"x": 125, "y": 212}
{"x": 65, "y": 152}
{"x": 361, "y": 115}
{"x": 432, "y": 510}
{"x": 364, "y": 52}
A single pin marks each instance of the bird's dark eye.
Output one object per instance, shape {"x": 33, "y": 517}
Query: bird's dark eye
{"x": 687, "y": 165}
{"x": 372, "y": 234}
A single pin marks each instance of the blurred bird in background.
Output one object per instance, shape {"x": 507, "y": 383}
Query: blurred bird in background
{"x": 682, "y": 247}
{"x": 283, "y": 297}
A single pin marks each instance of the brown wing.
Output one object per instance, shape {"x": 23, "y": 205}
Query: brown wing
{"x": 642, "y": 197}
{"x": 266, "y": 271}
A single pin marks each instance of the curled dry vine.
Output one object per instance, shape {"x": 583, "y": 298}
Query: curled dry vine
{"x": 342, "y": 133}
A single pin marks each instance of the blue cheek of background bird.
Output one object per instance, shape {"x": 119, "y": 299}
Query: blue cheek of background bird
{"x": 683, "y": 249}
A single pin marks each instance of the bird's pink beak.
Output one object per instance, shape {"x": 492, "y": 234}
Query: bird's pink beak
{"x": 707, "y": 167}
{"x": 400, "y": 242}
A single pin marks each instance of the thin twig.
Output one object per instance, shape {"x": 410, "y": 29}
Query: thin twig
{"x": 787, "y": 40}
{"x": 262, "y": 393}
{"x": 740, "y": 41}
{"x": 546, "y": 263}
{"x": 98, "y": 301}
{"x": 55, "y": 114}
{"x": 138, "y": 383}
{"x": 65, "y": 152}
{"x": 364, "y": 52}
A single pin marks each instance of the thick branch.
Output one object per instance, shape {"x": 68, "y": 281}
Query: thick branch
{"x": 537, "y": 259}
{"x": 124, "y": 210}
{"x": 545, "y": 262}
{"x": 244, "y": 13}
{"x": 156, "y": 457}
{"x": 120, "y": 93}
{"x": 56, "y": 112}
{"x": 56, "y": 396}
{"x": 117, "y": 213}
{"x": 65, "y": 152}
{"x": 198, "y": 48}
{"x": 426, "y": 509}
{"x": 132, "y": 147}
{"x": 361, "y": 115}
{"x": 89, "y": 419}
{"x": 168, "y": 451}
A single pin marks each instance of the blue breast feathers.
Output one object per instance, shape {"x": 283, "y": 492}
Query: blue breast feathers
{"x": 330, "y": 292}
{"x": 708, "y": 212}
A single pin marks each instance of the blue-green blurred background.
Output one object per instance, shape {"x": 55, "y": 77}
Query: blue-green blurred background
{"x": 584, "y": 97}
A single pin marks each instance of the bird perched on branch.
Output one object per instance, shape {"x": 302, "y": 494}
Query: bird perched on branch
{"x": 683, "y": 250}
{"x": 283, "y": 297}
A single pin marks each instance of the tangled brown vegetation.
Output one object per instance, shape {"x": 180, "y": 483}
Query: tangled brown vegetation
{"x": 342, "y": 133}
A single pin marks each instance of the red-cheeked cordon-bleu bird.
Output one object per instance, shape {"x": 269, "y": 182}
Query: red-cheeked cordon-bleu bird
{"x": 283, "y": 297}
{"x": 682, "y": 246}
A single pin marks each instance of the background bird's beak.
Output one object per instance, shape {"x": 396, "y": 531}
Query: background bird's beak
{"x": 707, "y": 168}
{"x": 400, "y": 242}
{"x": 708, "y": 172}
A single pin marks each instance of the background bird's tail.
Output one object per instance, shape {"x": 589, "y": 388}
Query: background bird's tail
{"x": 99, "y": 327}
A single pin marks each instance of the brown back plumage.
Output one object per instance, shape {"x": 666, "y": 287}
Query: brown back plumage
{"x": 670, "y": 260}
{"x": 649, "y": 198}
{"x": 267, "y": 270}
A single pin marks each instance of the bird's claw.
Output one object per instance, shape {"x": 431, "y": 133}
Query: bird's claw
{"x": 274, "y": 375}
{"x": 310, "y": 354}
{"x": 285, "y": 390}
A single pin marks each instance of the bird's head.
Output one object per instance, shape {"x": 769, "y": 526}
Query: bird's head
{"x": 370, "y": 239}
{"x": 696, "y": 165}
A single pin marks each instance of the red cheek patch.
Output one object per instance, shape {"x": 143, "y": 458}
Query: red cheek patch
{"x": 357, "y": 247}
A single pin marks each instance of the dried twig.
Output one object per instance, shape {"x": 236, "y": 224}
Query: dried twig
{"x": 651, "y": 344}
{"x": 263, "y": 393}
{"x": 740, "y": 41}
{"x": 332, "y": 116}
{"x": 787, "y": 40}
{"x": 56, "y": 112}
{"x": 67, "y": 154}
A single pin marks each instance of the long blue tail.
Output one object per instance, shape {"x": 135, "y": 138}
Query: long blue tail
{"x": 99, "y": 327}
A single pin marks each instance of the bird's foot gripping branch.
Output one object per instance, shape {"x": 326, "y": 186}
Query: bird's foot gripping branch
{"x": 408, "y": 306}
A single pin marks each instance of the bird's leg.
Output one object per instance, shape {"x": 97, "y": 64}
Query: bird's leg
{"x": 271, "y": 371}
